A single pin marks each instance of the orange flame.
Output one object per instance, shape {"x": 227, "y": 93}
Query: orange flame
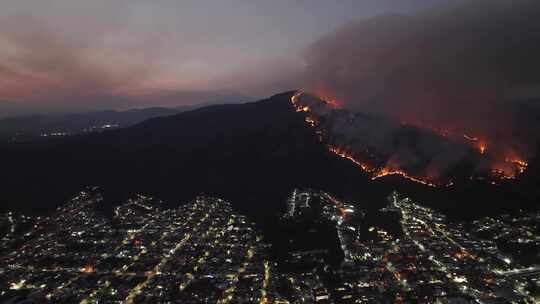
{"x": 332, "y": 103}
{"x": 482, "y": 148}
{"x": 344, "y": 154}
{"x": 509, "y": 169}
{"x": 386, "y": 172}
{"x": 302, "y": 109}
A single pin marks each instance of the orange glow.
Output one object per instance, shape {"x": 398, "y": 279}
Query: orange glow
{"x": 294, "y": 99}
{"x": 344, "y": 154}
{"x": 510, "y": 169}
{"x": 382, "y": 172}
{"x": 386, "y": 172}
{"x": 88, "y": 269}
{"x": 500, "y": 169}
{"x": 520, "y": 164}
{"x": 332, "y": 103}
{"x": 302, "y": 109}
{"x": 482, "y": 148}
{"x": 328, "y": 98}
{"x": 502, "y": 173}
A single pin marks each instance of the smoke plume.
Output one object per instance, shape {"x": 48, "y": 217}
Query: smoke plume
{"x": 466, "y": 69}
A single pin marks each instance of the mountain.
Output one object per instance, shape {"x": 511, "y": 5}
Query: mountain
{"x": 18, "y": 123}
{"x": 32, "y": 127}
{"x": 251, "y": 154}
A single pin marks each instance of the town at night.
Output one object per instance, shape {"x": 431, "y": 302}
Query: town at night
{"x": 270, "y": 152}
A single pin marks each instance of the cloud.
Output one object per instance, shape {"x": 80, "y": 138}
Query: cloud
{"x": 43, "y": 61}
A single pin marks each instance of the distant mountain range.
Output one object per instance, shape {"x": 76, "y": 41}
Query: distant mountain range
{"x": 251, "y": 154}
{"x": 24, "y": 128}
{"x": 18, "y": 123}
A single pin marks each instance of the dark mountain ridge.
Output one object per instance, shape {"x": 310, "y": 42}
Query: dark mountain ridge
{"x": 32, "y": 127}
{"x": 251, "y": 154}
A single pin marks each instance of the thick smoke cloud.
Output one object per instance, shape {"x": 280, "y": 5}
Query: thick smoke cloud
{"x": 461, "y": 69}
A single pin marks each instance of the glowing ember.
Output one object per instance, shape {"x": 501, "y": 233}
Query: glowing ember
{"x": 520, "y": 164}
{"x": 295, "y": 97}
{"x": 302, "y": 109}
{"x": 510, "y": 169}
{"x": 500, "y": 168}
{"x": 476, "y": 142}
{"x": 386, "y": 172}
{"x": 344, "y": 154}
{"x": 482, "y": 148}
{"x": 382, "y": 172}
{"x": 332, "y": 103}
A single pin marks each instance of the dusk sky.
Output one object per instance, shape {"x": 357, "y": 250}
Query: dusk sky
{"x": 66, "y": 55}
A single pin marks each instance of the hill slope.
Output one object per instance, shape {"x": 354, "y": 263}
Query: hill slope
{"x": 25, "y": 128}
{"x": 250, "y": 154}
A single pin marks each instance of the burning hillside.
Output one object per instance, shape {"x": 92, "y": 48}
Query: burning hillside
{"x": 383, "y": 147}
{"x": 444, "y": 95}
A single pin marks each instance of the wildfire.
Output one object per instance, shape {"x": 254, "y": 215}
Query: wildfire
{"x": 482, "y": 148}
{"x": 521, "y": 165}
{"x": 386, "y": 172}
{"x": 503, "y": 174}
{"x": 332, "y": 103}
{"x": 294, "y": 98}
{"x": 297, "y": 106}
{"x": 382, "y": 172}
{"x": 344, "y": 154}
{"x": 302, "y": 109}
{"x": 510, "y": 169}
{"x": 506, "y": 168}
